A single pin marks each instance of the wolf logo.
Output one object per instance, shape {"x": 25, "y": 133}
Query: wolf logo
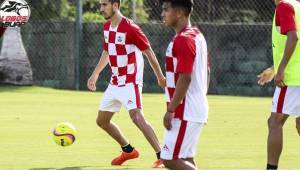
{"x": 14, "y": 7}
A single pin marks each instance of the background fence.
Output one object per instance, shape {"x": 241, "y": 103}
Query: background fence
{"x": 238, "y": 34}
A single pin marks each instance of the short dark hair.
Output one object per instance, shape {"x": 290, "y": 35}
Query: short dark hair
{"x": 115, "y": 1}
{"x": 186, "y": 5}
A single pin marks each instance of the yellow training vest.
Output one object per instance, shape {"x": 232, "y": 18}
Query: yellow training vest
{"x": 292, "y": 71}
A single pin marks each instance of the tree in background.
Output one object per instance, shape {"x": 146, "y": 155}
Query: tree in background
{"x": 66, "y": 10}
{"x": 218, "y": 11}
{"x": 48, "y": 10}
{"x": 135, "y": 10}
{"x": 246, "y": 11}
{"x": 132, "y": 9}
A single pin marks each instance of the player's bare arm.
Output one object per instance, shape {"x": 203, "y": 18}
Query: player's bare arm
{"x": 155, "y": 66}
{"x": 266, "y": 76}
{"x": 291, "y": 42}
{"x": 208, "y": 77}
{"x": 91, "y": 84}
{"x": 181, "y": 88}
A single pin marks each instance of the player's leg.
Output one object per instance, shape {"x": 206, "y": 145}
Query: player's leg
{"x": 104, "y": 121}
{"x": 298, "y": 125}
{"x": 139, "y": 120}
{"x": 179, "y": 164}
{"x": 109, "y": 105}
{"x": 192, "y": 141}
{"x": 275, "y": 124}
{"x": 285, "y": 102}
{"x": 180, "y": 145}
{"x": 191, "y": 160}
{"x": 297, "y": 109}
{"x": 131, "y": 99}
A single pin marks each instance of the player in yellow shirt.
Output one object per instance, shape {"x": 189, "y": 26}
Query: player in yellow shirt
{"x": 286, "y": 74}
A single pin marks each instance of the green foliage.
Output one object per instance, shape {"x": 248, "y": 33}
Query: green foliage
{"x": 128, "y": 8}
{"x": 92, "y": 17}
{"x": 46, "y": 10}
{"x": 232, "y": 11}
{"x": 66, "y": 10}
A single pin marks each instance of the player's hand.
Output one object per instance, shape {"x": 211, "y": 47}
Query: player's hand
{"x": 266, "y": 76}
{"x": 279, "y": 78}
{"x": 91, "y": 83}
{"x": 168, "y": 120}
{"x": 162, "y": 81}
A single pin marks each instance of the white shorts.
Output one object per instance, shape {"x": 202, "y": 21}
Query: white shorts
{"x": 286, "y": 100}
{"x": 181, "y": 141}
{"x": 114, "y": 97}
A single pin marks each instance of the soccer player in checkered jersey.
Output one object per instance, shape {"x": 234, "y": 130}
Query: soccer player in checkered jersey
{"x": 286, "y": 74}
{"x": 124, "y": 43}
{"x": 186, "y": 65}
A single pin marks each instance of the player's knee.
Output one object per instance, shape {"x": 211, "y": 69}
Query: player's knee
{"x": 274, "y": 123}
{"x": 169, "y": 164}
{"x": 269, "y": 122}
{"x": 101, "y": 123}
{"x": 298, "y": 128}
{"x": 98, "y": 122}
{"x": 138, "y": 121}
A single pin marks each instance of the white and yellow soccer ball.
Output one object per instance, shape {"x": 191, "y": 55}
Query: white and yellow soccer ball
{"x": 64, "y": 134}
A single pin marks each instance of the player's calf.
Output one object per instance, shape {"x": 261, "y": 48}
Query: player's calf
{"x": 138, "y": 119}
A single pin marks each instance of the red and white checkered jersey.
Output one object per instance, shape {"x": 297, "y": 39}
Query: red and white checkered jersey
{"x": 187, "y": 53}
{"x": 124, "y": 44}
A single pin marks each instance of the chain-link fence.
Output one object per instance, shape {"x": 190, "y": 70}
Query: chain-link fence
{"x": 238, "y": 35}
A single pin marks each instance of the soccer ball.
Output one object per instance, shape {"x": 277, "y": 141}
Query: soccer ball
{"x": 64, "y": 134}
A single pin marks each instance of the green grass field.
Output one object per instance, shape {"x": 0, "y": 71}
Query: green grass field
{"x": 234, "y": 138}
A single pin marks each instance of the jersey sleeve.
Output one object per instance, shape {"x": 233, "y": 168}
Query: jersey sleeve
{"x": 184, "y": 49}
{"x": 105, "y": 28}
{"x": 138, "y": 38}
{"x": 285, "y": 18}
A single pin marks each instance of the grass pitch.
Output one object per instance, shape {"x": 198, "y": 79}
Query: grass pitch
{"x": 234, "y": 138}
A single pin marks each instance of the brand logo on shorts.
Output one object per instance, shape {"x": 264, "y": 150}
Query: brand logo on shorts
{"x": 165, "y": 148}
{"x": 14, "y": 13}
{"x": 129, "y": 102}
